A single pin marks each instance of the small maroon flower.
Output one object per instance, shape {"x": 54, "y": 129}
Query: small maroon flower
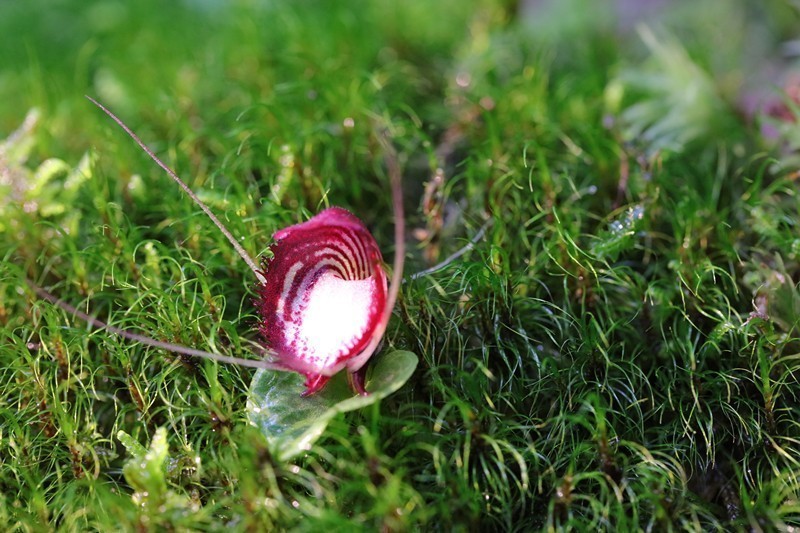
{"x": 322, "y": 302}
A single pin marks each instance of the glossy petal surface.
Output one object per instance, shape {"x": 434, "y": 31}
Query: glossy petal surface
{"x": 324, "y": 296}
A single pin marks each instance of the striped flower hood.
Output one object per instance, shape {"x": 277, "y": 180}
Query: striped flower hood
{"x": 322, "y": 303}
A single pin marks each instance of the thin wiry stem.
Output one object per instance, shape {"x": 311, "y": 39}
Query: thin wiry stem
{"x": 168, "y": 346}
{"x": 395, "y": 178}
{"x": 469, "y": 246}
{"x": 238, "y": 247}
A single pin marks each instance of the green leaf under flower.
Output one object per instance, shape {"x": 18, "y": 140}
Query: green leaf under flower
{"x": 292, "y": 424}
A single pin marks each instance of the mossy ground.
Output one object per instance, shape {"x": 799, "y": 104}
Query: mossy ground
{"x": 618, "y": 350}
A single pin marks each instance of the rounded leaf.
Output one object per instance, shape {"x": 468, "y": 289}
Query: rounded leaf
{"x": 291, "y": 425}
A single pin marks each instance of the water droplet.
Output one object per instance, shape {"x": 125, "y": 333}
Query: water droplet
{"x": 463, "y": 79}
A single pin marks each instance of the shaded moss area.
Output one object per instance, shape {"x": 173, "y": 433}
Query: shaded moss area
{"x": 616, "y": 347}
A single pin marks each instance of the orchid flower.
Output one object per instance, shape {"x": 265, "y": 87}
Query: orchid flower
{"x": 322, "y": 303}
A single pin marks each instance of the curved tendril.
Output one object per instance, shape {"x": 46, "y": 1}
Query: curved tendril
{"x": 455, "y": 255}
{"x": 395, "y": 179}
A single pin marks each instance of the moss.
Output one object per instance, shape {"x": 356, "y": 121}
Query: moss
{"x": 618, "y": 349}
